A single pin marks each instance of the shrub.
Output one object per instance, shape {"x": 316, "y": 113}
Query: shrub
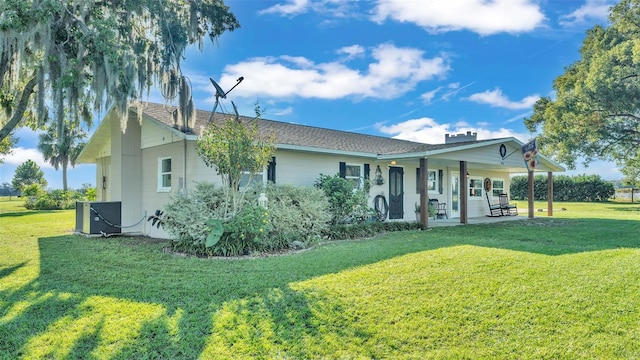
{"x": 90, "y": 194}
{"x": 31, "y": 193}
{"x": 185, "y": 217}
{"x": 565, "y": 188}
{"x": 297, "y": 214}
{"x": 346, "y": 204}
{"x": 354, "y": 231}
{"x": 54, "y": 200}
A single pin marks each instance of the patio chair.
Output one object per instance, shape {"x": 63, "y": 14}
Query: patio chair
{"x": 507, "y": 209}
{"x": 494, "y": 209}
{"x": 441, "y": 208}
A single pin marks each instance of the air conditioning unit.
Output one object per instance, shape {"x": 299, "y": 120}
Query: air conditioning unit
{"x": 98, "y": 217}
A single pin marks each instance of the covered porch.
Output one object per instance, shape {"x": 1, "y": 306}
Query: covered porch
{"x": 469, "y": 176}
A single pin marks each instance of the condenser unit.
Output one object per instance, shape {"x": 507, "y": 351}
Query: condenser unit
{"x": 98, "y": 217}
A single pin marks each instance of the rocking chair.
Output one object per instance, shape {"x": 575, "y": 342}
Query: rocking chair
{"x": 507, "y": 209}
{"x": 495, "y": 210}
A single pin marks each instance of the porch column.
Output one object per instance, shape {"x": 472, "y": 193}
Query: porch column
{"x": 530, "y": 194}
{"x": 424, "y": 198}
{"x": 549, "y": 193}
{"x": 463, "y": 192}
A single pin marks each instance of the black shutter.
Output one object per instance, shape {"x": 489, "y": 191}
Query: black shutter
{"x": 271, "y": 170}
{"x": 366, "y": 171}
{"x": 440, "y": 180}
{"x": 343, "y": 169}
{"x": 418, "y": 180}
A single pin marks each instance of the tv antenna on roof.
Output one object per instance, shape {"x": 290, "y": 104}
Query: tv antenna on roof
{"x": 222, "y": 94}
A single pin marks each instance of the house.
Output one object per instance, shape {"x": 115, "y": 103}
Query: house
{"x": 155, "y": 158}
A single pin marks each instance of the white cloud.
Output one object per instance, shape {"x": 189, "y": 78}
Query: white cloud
{"x": 352, "y": 51}
{"x": 429, "y": 95}
{"x": 332, "y": 8}
{"x": 429, "y": 131}
{"x": 19, "y": 155}
{"x": 282, "y": 112}
{"x": 294, "y": 7}
{"x": 591, "y": 10}
{"x": 496, "y": 98}
{"x": 480, "y": 16}
{"x": 392, "y": 72}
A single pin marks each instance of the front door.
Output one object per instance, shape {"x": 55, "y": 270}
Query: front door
{"x": 455, "y": 195}
{"x": 396, "y": 193}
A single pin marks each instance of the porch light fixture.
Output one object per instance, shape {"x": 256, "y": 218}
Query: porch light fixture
{"x": 393, "y": 162}
{"x": 378, "y": 179}
{"x": 467, "y": 174}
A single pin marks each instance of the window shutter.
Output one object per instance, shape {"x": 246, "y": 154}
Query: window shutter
{"x": 271, "y": 170}
{"x": 366, "y": 171}
{"x": 440, "y": 181}
{"x": 343, "y": 169}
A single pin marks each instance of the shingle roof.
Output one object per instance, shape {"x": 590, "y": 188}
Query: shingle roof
{"x": 305, "y": 136}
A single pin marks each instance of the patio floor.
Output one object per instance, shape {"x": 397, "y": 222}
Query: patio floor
{"x": 474, "y": 220}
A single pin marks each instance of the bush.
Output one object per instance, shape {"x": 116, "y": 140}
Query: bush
{"x": 346, "y": 204}
{"x": 355, "y": 231}
{"x": 297, "y": 213}
{"x": 90, "y": 194}
{"x": 185, "y": 216}
{"x": 54, "y": 200}
{"x": 585, "y": 188}
{"x": 296, "y": 216}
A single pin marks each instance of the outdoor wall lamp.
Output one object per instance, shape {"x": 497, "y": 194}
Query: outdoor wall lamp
{"x": 378, "y": 179}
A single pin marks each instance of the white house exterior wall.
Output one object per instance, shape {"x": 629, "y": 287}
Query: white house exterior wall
{"x": 103, "y": 168}
{"x": 487, "y": 155}
{"x": 152, "y": 199}
{"x": 154, "y": 134}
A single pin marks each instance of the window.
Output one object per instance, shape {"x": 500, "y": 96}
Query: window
{"x": 353, "y": 173}
{"x": 498, "y": 187}
{"x": 475, "y": 188}
{"x": 256, "y": 179}
{"x": 432, "y": 181}
{"x": 164, "y": 174}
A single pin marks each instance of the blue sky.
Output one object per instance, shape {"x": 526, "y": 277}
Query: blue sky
{"x": 400, "y": 68}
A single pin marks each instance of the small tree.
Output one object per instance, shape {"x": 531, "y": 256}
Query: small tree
{"x": 347, "y": 205}
{"x": 28, "y": 173}
{"x": 233, "y": 148}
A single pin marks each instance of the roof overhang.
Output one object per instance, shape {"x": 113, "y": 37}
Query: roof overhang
{"x": 325, "y": 151}
{"x": 546, "y": 164}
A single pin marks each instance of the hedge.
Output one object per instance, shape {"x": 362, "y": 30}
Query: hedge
{"x": 581, "y": 188}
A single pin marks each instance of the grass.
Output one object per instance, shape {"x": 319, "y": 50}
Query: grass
{"x": 566, "y": 287}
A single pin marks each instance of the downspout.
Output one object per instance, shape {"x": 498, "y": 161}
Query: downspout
{"x": 184, "y": 167}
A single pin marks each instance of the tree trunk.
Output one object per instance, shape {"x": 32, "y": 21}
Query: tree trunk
{"x": 64, "y": 176}
{"x": 18, "y": 111}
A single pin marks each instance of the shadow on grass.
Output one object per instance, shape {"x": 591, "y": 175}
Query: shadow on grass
{"x": 140, "y": 303}
{"x": 27, "y": 213}
{"x": 631, "y": 207}
{"x": 11, "y": 269}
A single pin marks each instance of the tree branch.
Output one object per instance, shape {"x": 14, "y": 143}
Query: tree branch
{"x": 18, "y": 111}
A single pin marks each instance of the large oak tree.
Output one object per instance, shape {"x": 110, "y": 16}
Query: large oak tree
{"x": 84, "y": 55}
{"x": 596, "y": 110}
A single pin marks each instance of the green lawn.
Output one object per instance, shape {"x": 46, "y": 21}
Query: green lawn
{"x": 566, "y": 287}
